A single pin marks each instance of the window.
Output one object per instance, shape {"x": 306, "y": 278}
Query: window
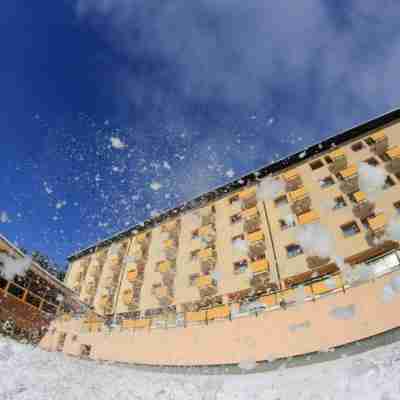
{"x": 287, "y": 222}
{"x": 372, "y": 161}
{"x": 396, "y": 205}
{"x": 328, "y": 159}
{"x": 339, "y": 202}
{"x": 326, "y": 182}
{"x": 293, "y": 250}
{"x": 388, "y": 183}
{"x": 234, "y": 199}
{"x": 213, "y": 209}
{"x": 195, "y": 234}
{"x": 281, "y": 201}
{"x": 350, "y": 229}
{"x": 240, "y": 266}
{"x": 357, "y": 146}
{"x": 193, "y": 254}
{"x": 192, "y": 279}
{"x": 237, "y": 237}
{"x": 316, "y": 164}
{"x": 236, "y": 218}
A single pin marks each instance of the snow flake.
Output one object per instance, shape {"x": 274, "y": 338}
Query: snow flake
{"x": 4, "y": 218}
{"x": 117, "y": 143}
{"x": 155, "y": 185}
{"x": 230, "y": 173}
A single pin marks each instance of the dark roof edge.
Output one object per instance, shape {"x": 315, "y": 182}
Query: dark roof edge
{"x": 250, "y": 177}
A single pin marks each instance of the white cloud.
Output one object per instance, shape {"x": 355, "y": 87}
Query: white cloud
{"x": 117, "y": 143}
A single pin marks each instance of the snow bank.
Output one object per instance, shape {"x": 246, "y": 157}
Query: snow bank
{"x": 28, "y": 373}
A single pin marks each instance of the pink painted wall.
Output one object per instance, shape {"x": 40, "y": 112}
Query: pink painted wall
{"x": 268, "y": 335}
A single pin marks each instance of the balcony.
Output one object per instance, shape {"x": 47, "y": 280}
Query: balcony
{"x": 94, "y": 269}
{"x": 115, "y": 265}
{"x": 339, "y": 161}
{"x": 300, "y": 201}
{"x": 141, "y": 239}
{"x": 207, "y": 254}
{"x": 130, "y": 298}
{"x": 221, "y": 312}
{"x": 132, "y": 275}
{"x": 170, "y": 248}
{"x": 166, "y": 267}
{"x": 171, "y": 226}
{"x": 363, "y": 207}
{"x": 256, "y": 243}
{"x": 248, "y": 193}
{"x": 105, "y": 303}
{"x": 292, "y": 180}
{"x": 255, "y": 236}
{"x": 377, "y": 225}
{"x": 379, "y": 142}
{"x": 77, "y": 286}
{"x": 206, "y": 285}
{"x": 90, "y": 288}
{"x": 207, "y": 233}
{"x": 164, "y": 294}
{"x": 136, "y": 323}
{"x": 259, "y": 266}
{"x": 309, "y": 217}
{"x": 207, "y": 265}
{"x": 260, "y": 281}
{"x": 111, "y": 280}
{"x": 393, "y": 154}
{"x": 349, "y": 177}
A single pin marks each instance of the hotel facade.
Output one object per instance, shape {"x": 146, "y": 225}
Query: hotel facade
{"x": 231, "y": 275}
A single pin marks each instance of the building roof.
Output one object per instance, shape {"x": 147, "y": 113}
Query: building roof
{"x": 249, "y": 178}
{"x": 35, "y": 266}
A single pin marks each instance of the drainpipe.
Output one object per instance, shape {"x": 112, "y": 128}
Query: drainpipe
{"x": 273, "y": 245}
{"x": 122, "y": 273}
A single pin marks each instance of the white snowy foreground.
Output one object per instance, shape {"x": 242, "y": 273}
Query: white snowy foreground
{"x": 32, "y": 374}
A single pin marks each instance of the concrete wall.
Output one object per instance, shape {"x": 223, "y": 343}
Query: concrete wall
{"x": 312, "y": 326}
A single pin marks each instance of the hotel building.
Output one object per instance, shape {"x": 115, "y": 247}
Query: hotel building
{"x": 207, "y": 273}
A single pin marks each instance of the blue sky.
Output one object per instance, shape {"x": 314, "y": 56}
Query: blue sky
{"x": 198, "y": 93}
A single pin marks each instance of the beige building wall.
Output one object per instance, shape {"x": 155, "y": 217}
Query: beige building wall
{"x": 276, "y": 240}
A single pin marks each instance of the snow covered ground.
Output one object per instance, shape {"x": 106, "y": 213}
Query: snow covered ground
{"x": 30, "y": 373}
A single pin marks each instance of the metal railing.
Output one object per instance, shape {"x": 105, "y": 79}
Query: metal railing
{"x": 309, "y": 291}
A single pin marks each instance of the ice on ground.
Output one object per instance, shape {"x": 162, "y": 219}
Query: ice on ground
{"x": 28, "y": 373}
{"x": 248, "y": 365}
{"x": 10, "y": 267}
{"x": 345, "y": 312}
